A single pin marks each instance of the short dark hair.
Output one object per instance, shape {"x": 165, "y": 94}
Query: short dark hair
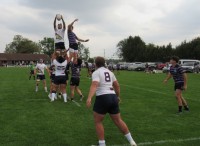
{"x": 175, "y": 58}
{"x": 100, "y": 62}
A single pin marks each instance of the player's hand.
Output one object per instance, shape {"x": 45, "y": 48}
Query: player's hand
{"x": 119, "y": 99}
{"x": 75, "y": 20}
{"x": 86, "y": 40}
{"x": 165, "y": 81}
{"x": 88, "y": 103}
{"x": 185, "y": 87}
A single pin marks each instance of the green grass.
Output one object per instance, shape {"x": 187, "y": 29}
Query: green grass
{"x": 148, "y": 107}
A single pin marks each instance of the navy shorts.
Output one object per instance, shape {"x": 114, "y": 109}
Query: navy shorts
{"x": 74, "y": 81}
{"x": 73, "y": 46}
{"x": 40, "y": 77}
{"x": 179, "y": 86}
{"x": 107, "y": 103}
{"x": 60, "y": 80}
{"x": 60, "y": 45}
{"x": 52, "y": 77}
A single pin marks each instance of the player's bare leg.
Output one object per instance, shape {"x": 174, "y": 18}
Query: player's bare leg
{"x": 122, "y": 127}
{"x": 63, "y": 90}
{"x": 45, "y": 86}
{"x": 184, "y": 102}
{"x": 37, "y": 84}
{"x": 72, "y": 88}
{"x": 98, "y": 119}
{"x": 179, "y": 100}
{"x": 79, "y": 92}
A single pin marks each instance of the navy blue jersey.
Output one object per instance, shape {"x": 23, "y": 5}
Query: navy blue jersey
{"x": 75, "y": 69}
{"x": 177, "y": 73}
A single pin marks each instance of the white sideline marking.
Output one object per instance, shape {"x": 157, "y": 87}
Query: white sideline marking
{"x": 76, "y": 103}
{"x": 160, "y": 142}
{"x": 153, "y": 91}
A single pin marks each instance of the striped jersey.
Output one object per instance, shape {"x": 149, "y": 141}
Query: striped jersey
{"x": 75, "y": 70}
{"x": 177, "y": 73}
{"x": 71, "y": 37}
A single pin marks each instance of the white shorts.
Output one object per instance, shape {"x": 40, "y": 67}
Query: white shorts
{"x": 73, "y": 51}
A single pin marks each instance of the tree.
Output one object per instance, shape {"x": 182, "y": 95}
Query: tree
{"x": 132, "y": 49}
{"x": 21, "y": 45}
{"x": 83, "y": 52}
{"x": 47, "y": 45}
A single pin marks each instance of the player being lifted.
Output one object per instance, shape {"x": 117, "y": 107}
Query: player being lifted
{"x": 75, "y": 79}
{"x": 180, "y": 79}
{"x": 73, "y": 45}
{"x": 59, "y": 34}
{"x": 60, "y": 62}
{"x": 107, "y": 90}
{"x": 39, "y": 70}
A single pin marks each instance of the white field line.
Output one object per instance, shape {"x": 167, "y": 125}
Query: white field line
{"x": 160, "y": 142}
{"x": 144, "y": 89}
{"x": 76, "y": 103}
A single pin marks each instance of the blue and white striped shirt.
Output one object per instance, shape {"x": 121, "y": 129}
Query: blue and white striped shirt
{"x": 177, "y": 73}
{"x": 71, "y": 37}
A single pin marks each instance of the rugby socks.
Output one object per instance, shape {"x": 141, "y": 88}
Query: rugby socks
{"x": 36, "y": 88}
{"x": 45, "y": 88}
{"x": 186, "y": 108}
{"x": 102, "y": 143}
{"x": 130, "y": 139}
{"x": 179, "y": 108}
{"x": 65, "y": 97}
{"x": 53, "y": 95}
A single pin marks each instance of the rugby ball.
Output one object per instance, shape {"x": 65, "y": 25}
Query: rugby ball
{"x": 58, "y": 17}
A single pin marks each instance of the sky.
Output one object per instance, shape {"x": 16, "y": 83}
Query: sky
{"x": 104, "y": 22}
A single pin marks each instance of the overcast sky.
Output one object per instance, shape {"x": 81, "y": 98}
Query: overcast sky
{"x": 104, "y": 22}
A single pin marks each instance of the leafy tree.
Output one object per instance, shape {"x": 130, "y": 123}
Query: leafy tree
{"x": 21, "y": 45}
{"x": 47, "y": 45}
{"x": 83, "y": 52}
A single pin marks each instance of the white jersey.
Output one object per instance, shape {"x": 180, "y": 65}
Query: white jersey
{"x": 105, "y": 78}
{"x": 59, "y": 35}
{"x": 60, "y": 67}
{"x": 40, "y": 68}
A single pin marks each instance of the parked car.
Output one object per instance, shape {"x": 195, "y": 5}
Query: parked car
{"x": 141, "y": 67}
{"x": 188, "y": 67}
{"x": 166, "y": 69}
{"x": 197, "y": 67}
{"x": 133, "y": 66}
{"x": 183, "y": 61}
{"x": 160, "y": 65}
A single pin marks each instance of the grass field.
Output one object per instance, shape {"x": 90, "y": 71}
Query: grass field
{"x": 148, "y": 107}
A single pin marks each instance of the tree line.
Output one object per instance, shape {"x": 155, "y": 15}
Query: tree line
{"x": 44, "y": 46}
{"x": 134, "y": 49}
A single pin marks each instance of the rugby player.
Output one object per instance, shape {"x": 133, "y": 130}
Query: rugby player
{"x": 73, "y": 45}
{"x": 39, "y": 70}
{"x": 180, "y": 79}
{"x": 107, "y": 90}
{"x": 60, "y": 62}
{"x": 52, "y": 77}
{"x": 32, "y": 68}
{"x": 59, "y": 34}
{"x": 75, "y": 79}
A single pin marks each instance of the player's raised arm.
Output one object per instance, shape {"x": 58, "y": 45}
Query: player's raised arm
{"x": 54, "y": 23}
{"x": 81, "y": 40}
{"x": 64, "y": 25}
{"x": 70, "y": 26}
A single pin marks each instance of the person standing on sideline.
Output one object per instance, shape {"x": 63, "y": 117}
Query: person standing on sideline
{"x": 39, "y": 70}
{"x": 107, "y": 89}
{"x": 59, "y": 34}
{"x": 32, "y": 68}
{"x": 180, "y": 79}
{"x": 73, "y": 45}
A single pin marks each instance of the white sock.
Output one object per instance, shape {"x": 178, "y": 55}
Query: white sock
{"x": 65, "y": 97}
{"x": 102, "y": 143}
{"x": 53, "y": 95}
{"x": 130, "y": 139}
{"x": 45, "y": 88}
{"x": 36, "y": 88}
